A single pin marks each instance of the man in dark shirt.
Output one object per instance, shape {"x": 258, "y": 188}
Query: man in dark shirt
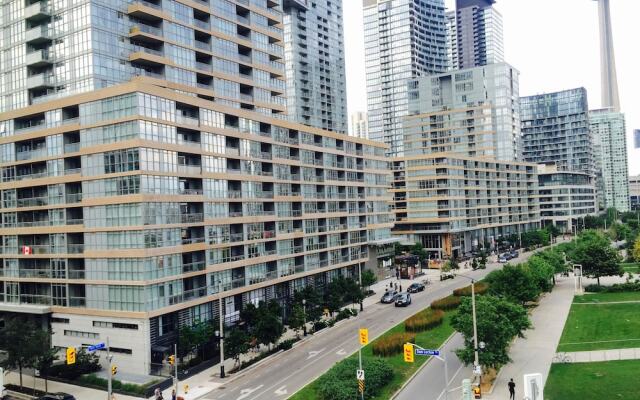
{"x": 512, "y": 389}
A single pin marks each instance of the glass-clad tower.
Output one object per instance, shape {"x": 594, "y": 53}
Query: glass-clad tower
{"x": 403, "y": 39}
{"x": 151, "y": 179}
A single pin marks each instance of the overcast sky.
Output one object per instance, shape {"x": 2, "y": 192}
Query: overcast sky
{"x": 554, "y": 44}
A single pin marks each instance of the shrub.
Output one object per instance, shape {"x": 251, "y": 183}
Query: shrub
{"x": 346, "y": 313}
{"x": 86, "y": 363}
{"x": 593, "y": 288}
{"x": 339, "y": 382}
{"x": 424, "y": 320}
{"x": 392, "y": 344}
{"x": 481, "y": 288}
{"x": 319, "y": 325}
{"x": 287, "y": 344}
{"x": 615, "y": 288}
{"x": 446, "y": 303}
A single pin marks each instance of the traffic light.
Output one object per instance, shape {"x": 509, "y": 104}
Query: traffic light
{"x": 477, "y": 394}
{"x": 71, "y": 355}
{"x": 172, "y": 359}
{"x": 408, "y": 352}
{"x": 114, "y": 369}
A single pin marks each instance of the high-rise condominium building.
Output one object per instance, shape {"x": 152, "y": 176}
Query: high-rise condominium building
{"x": 636, "y": 138}
{"x": 555, "y": 130}
{"x": 608, "y": 74}
{"x": 565, "y": 196}
{"x": 476, "y": 37}
{"x": 488, "y": 94}
{"x": 149, "y": 185}
{"x": 403, "y": 39}
{"x": 609, "y": 130}
{"x": 359, "y": 125}
{"x": 634, "y": 192}
{"x": 459, "y": 186}
{"x": 315, "y": 66}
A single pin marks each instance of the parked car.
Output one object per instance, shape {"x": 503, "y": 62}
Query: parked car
{"x": 415, "y": 288}
{"x": 515, "y": 254}
{"x": 447, "y": 275}
{"x": 57, "y": 396}
{"x": 403, "y": 300}
{"x": 389, "y": 297}
{"x": 502, "y": 259}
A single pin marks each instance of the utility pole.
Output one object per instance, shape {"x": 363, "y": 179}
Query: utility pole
{"x": 476, "y": 362}
{"x": 109, "y": 372}
{"x": 360, "y": 284}
{"x": 175, "y": 366}
{"x": 221, "y": 317}
{"x": 304, "y": 316}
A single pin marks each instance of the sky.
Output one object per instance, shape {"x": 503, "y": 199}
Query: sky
{"x": 553, "y": 43}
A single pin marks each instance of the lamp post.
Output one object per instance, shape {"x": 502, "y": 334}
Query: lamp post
{"x": 221, "y": 336}
{"x": 360, "y": 284}
{"x": 477, "y": 369}
{"x": 304, "y": 316}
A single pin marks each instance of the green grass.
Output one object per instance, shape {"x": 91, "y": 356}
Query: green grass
{"x": 594, "y": 381}
{"x": 601, "y": 322}
{"x": 631, "y": 267}
{"x": 607, "y": 297}
{"x": 431, "y": 339}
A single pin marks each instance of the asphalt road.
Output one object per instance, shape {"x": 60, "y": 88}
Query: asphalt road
{"x": 281, "y": 376}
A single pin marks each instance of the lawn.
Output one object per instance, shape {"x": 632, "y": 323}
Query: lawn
{"x": 594, "y": 381}
{"x": 631, "y": 267}
{"x": 607, "y": 297}
{"x": 431, "y": 339}
{"x": 616, "y": 323}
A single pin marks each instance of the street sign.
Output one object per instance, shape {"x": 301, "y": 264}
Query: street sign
{"x": 71, "y": 355}
{"x": 427, "y": 352}
{"x": 477, "y": 370}
{"x": 408, "y": 353}
{"x": 95, "y": 347}
{"x": 360, "y": 374}
{"x": 364, "y": 336}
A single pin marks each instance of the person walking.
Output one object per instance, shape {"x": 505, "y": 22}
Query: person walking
{"x": 173, "y": 394}
{"x": 512, "y": 390}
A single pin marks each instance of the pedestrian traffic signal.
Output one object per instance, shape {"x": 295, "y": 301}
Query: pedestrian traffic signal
{"x": 71, "y": 355}
{"x": 114, "y": 369}
{"x": 477, "y": 394}
{"x": 408, "y": 352}
{"x": 172, "y": 359}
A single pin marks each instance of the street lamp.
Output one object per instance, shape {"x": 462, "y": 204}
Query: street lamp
{"x": 304, "y": 316}
{"x": 476, "y": 359}
{"x": 360, "y": 283}
{"x": 220, "y": 334}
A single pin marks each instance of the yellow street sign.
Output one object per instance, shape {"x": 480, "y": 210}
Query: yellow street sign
{"x": 71, "y": 355}
{"x": 364, "y": 336}
{"x": 408, "y": 352}
{"x": 361, "y": 386}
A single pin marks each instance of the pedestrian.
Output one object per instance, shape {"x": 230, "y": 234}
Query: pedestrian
{"x": 512, "y": 390}
{"x": 395, "y": 287}
{"x": 156, "y": 394}
{"x": 173, "y": 394}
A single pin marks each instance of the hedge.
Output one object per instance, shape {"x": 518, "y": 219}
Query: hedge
{"x": 339, "y": 383}
{"x": 446, "y": 303}
{"x": 424, "y": 320}
{"x": 391, "y": 345}
{"x": 481, "y": 288}
{"x": 616, "y": 288}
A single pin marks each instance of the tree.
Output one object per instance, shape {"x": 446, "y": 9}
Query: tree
{"x": 474, "y": 264}
{"x": 21, "y": 339}
{"x": 268, "y": 327}
{"x": 46, "y": 355}
{"x": 636, "y": 250}
{"x": 418, "y": 250}
{"x": 453, "y": 264}
{"x": 236, "y": 343}
{"x": 297, "y": 318}
{"x": 498, "y": 322}
{"x": 313, "y": 302}
{"x": 541, "y": 273}
{"x": 368, "y": 278}
{"x": 514, "y": 283}
{"x": 594, "y": 252}
{"x": 483, "y": 260}
{"x": 554, "y": 258}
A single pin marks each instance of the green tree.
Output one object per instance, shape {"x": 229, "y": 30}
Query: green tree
{"x": 594, "y": 252}
{"x": 474, "y": 264}
{"x": 46, "y": 355}
{"x": 21, "y": 340}
{"x": 418, "y": 250}
{"x": 297, "y": 318}
{"x": 483, "y": 260}
{"x": 236, "y": 343}
{"x": 313, "y": 302}
{"x": 498, "y": 320}
{"x": 368, "y": 278}
{"x": 268, "y": 327}
{"x": 554, "y": 258}
{"x": 514, "y": 283}
{"x": 541, "y": 273}
{"x": 593, "y": 222}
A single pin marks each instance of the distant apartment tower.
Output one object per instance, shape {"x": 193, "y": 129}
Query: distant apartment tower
{"x": 359, "y": 125}
{"x": 634, "y": 192}
{"x": 315, "y": 63}
{"x": 609, "y": 130}
{"x": 636, "y": 138}
{"x": 555, "y": 130}
{"x": 608, "y": 75}
{"x": 404, "y": 39}
{"x": 493, "y": 126}
{"x": 475, "y": 34}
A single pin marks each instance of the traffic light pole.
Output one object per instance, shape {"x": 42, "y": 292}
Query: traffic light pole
{"x": 109, "y": 372}
{"x": 360, "y": 366}
{"x": 175, "y": 365}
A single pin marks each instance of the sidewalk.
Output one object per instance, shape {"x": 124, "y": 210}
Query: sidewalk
{"x": 603, "y": 355}
{"x": 534, "y": 353}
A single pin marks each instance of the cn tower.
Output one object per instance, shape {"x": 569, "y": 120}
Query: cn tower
{"x": 609, "y": 79}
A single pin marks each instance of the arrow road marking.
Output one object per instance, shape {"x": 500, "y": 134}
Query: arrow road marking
{"x": 315, "y": 353}
{"x": 244, "y": 393}
{"x": 281, "y": 392}
{"x": 341, "y": 352}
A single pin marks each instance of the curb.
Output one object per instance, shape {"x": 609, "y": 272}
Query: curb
{"x": 408, "y": 381}
{"x": 249, "y": 368}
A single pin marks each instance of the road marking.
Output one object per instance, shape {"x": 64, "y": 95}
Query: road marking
{"x": 281, "y": 391}
{"x": 244, "y": 393}
{"x": 315, "y": 353}
{"x": 341, "y": 352}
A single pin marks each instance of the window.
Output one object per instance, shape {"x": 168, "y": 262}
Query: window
{"x": 57, "y": 320}
{"x": 81, "y": 334}
{"x": 116, "y": 325}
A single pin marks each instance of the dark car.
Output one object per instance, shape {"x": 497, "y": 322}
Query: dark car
{"x": 515, "y": 254}
{"x": 57, "y": 396}
{"x": 415, "y": 288}
{"x": 403, "y": 300}
{"x": 389, "y": 297}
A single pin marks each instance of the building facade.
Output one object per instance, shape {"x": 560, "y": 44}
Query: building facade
{"x": 555, "y": 130}
{"x": 403, "y": 39}
{"x": 634, "y": 193}
{"x": 160, "y": 184}
{"x": 565, "y": 196}
{"x": 476, "y": 34}
{"x": 315, "y": 63}
{"x": 359, "y": 125}
{"x": 475, "y": 111}
{"x": 609, "y": 132}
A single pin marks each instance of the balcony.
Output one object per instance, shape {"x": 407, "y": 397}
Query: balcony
{"x": 37, "y": 12}
{"x": 39, "y": 58}
{"x": 40, "y": 81}
{"x": 38, "y": 35}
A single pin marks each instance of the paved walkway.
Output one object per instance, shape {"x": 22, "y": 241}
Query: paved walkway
{"x": 535, "y": 352}
{"x": 602, "y": 355}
